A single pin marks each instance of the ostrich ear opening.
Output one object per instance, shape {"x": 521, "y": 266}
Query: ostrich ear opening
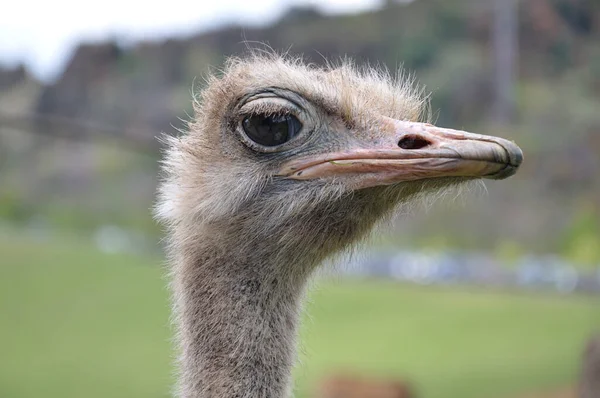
{"x": 409, "y": 151}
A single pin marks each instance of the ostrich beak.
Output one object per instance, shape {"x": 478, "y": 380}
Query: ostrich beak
{"x": 408, "y": 151}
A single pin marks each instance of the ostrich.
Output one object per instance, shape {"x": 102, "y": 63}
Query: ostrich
{"x": 284, "y": 165}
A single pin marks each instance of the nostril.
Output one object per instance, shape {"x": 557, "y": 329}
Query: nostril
{"x": 413, "y": 142}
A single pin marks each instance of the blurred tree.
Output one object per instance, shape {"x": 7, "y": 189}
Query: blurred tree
{"x": 505, "y": 45}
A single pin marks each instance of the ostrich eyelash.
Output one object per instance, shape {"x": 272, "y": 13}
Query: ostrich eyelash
{"x": 268, "y": 109}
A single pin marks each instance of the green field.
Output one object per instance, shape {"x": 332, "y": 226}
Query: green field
{"x": 78, "y": 323}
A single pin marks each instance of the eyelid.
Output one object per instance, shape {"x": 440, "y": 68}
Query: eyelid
{"x": 270, "y": 106}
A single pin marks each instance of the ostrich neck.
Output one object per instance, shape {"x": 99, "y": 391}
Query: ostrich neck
{"x": 237, "y": 312}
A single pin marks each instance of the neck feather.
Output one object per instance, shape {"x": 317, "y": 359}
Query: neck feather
{"x": 237, "y": 314}
{"x": 238, "y": 282}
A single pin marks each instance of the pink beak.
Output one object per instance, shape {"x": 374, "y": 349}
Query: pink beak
{"x": 409, "y": 151}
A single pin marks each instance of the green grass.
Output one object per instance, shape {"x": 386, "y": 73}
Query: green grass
{"x": 78, "y": 323}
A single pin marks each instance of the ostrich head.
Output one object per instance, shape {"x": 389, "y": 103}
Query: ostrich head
{"x": 299, "y": 158}
{"x": 285, "y": 164}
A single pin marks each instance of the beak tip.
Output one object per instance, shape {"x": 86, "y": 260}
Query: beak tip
{"x": 516, "y": 155}
{"x": 515, "y": 158}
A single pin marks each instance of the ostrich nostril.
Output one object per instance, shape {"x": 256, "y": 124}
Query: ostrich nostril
{"x": 413, "y": 142}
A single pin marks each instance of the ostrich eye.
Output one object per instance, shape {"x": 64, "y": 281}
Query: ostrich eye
{"x": 271, "y": 130}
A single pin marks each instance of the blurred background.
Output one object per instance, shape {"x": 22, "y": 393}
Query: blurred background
{"x": 491, "y": 295}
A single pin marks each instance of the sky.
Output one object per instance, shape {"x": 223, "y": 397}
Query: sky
{"x": 43, "y": 34}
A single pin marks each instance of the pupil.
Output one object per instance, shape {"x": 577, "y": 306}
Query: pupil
{"x": 271, "y": 130}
